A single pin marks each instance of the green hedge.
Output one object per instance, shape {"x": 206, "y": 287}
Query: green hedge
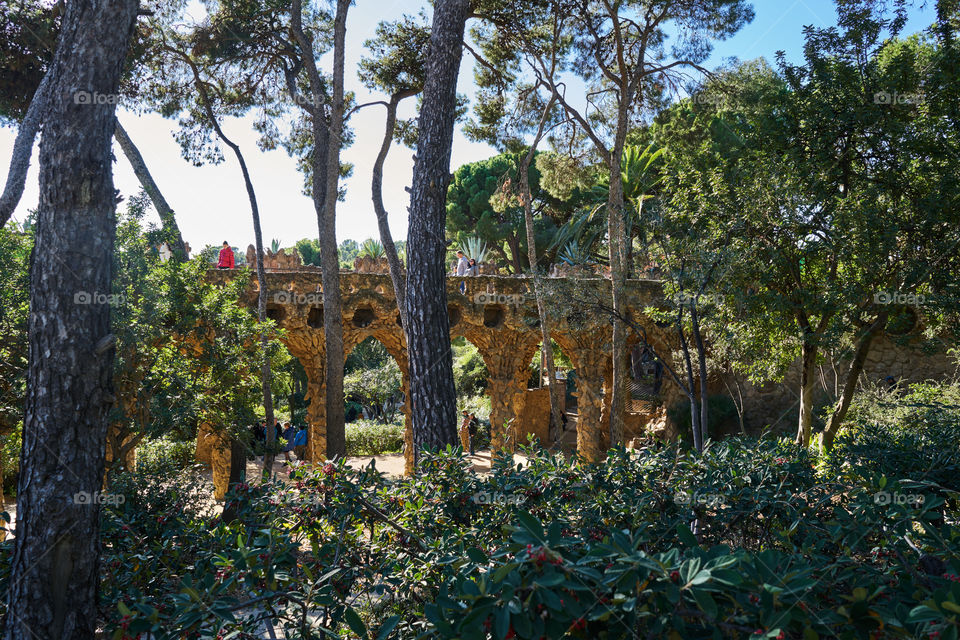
{"x": 370, "y": 438}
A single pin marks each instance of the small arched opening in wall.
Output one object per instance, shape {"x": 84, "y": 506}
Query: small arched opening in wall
{"x": 903, "y": 321}
{"x": 494, "y": 316}
{"x": 454, "y": 315}
{"x": 315, "y": 317}
{"x": 363, "y": 317}
{"x": 276, "y": 313}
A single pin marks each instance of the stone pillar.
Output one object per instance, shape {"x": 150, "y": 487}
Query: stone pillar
{"x": 220, "y": 462}
{"x": 506, "y": 398}
{"x": 316, "y": 411}
{"x": 590, "y": 365}
{"x": 205, "y": 441}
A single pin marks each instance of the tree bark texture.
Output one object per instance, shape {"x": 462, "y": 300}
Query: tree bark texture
{"x": 329, "y": 257}
{"x": 808, "y": 373}
{"x": 55, "y": 564}
{"x": 432, "y": 392}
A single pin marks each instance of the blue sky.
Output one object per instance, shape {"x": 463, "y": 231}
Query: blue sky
{"x": 210, "y": 201}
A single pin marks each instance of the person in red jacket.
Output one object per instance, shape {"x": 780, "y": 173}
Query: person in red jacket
{"x": 225, "y": 261}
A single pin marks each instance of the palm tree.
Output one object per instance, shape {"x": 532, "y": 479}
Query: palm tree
{"x": 639, "y": 179}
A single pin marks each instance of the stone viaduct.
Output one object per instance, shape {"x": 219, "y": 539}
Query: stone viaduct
{"x": 498, "y": 314}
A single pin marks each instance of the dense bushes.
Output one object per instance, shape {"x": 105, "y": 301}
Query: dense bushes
{"x": 745, "y": 540}
{"x": 910, "y": 432}
{"x": 371, "y": 438}
{"x": 164, "y": 455}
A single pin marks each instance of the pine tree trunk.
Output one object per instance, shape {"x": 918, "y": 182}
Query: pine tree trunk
{"x": 55, "y": 563}
{"x": 432, "y": 393}
{"x": 329, "y": 257}
{"x": 853, "y": 376}
{"x": 164, "y": 210}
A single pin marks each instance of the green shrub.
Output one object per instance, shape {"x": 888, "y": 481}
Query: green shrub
{"x": 165, "y": 456}
{"x": 370, "y": 438}
{"x": 744, "y": 540}
{"x": 912, "y": 433}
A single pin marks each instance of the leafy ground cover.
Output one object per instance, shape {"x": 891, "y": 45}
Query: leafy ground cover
{"x": 754, "y": 538}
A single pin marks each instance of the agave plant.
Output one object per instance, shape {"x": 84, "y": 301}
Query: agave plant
{"x": 474, "y": 247}
{"x": 274, "y": 246}
{"x": 574, "y": 253}
{"x": 371, "y": 249}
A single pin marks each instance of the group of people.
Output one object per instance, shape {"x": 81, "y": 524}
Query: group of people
{"x": 466, "y": 266}
{"x": 295, "y": 439}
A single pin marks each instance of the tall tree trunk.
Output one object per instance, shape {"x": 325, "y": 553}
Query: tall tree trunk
{"x": 22, "y": 149}
{"x": 556, "y": 414}
{"x": 167, "y": 217}
{"x": 327, "y": 132}
{"x": 615, "y": 206}
{"x": 329, "y": 257}
{"x": 266, "y": 375}
{"x": 690, "y": 387}
{"x": 702, "y": 362}
{"x": 55, "y": 564}
{"x": 850, "y": 385}
{"x": 432, "y": 393}
{"x": 808, "y": 375}
{"x": 397, "y": 275}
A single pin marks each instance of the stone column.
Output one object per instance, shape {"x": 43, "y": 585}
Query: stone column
{"x": 506, "y": 396}
{"x": 220, "y": 462}
{"x": 205, "y": 438}
{"x": 590, "y": 363}
{"x": 506, "y": 355}
{"x": 316, "y": 410}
